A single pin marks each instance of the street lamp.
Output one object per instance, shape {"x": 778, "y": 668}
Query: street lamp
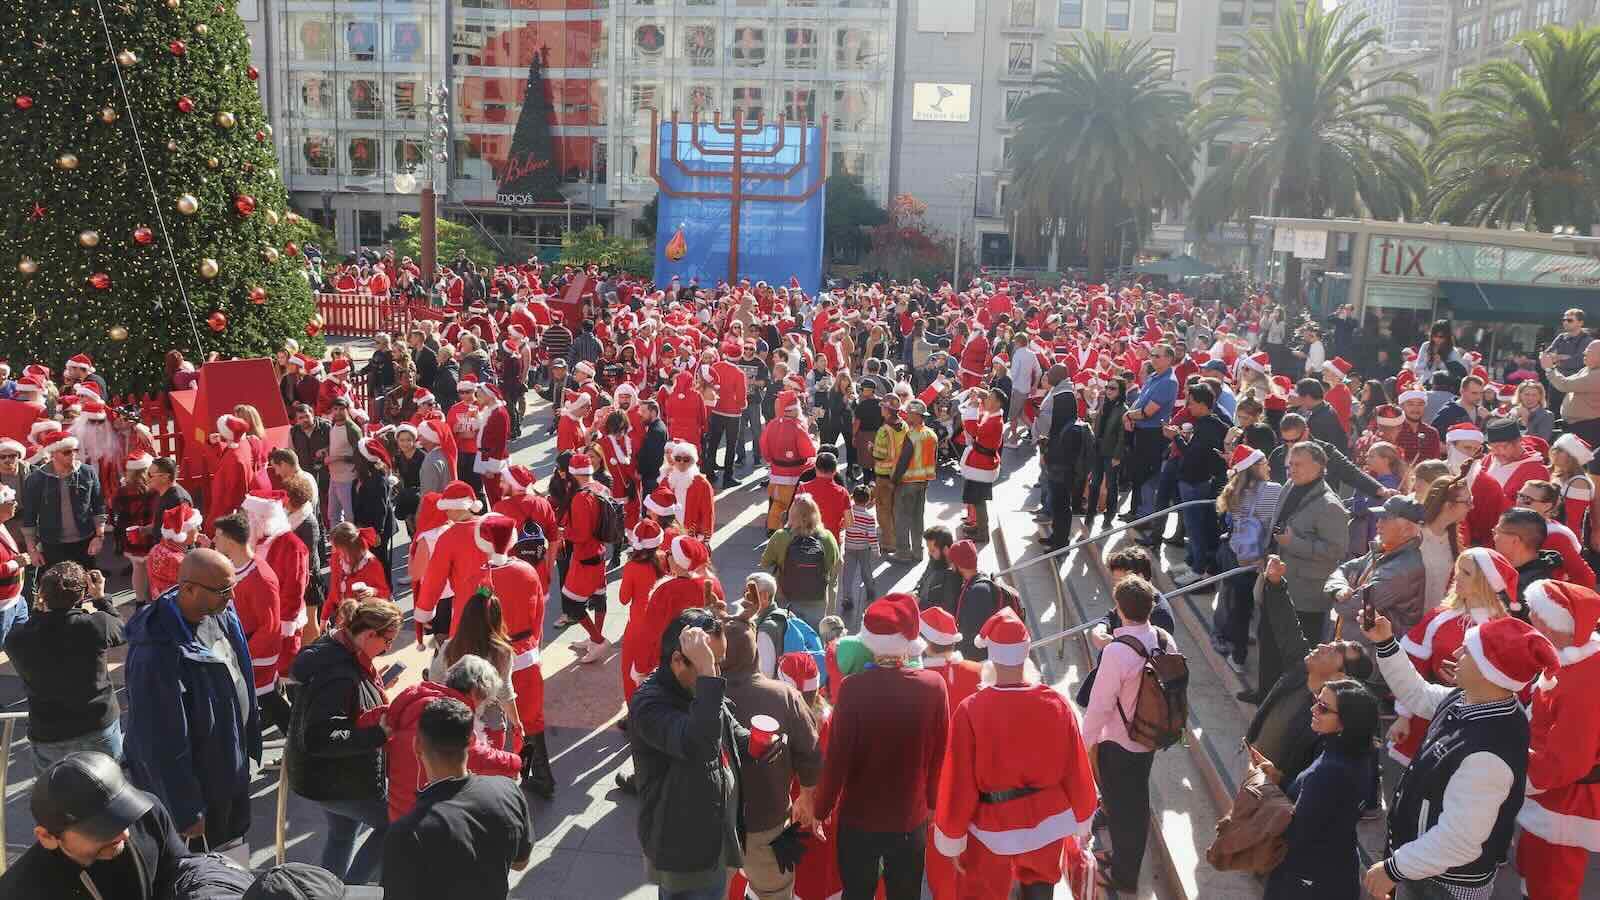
{"x": 961, "y": 181}
{"x": 435, "y": 153}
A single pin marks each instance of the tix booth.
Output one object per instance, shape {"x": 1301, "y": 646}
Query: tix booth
{"x": 740, "y": 199}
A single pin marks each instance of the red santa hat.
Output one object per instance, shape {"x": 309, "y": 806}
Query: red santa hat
{"x": 891, "y": 627}
{"x": 1338, "y": 366}
{"x": 1413, "y": 394}
{"x": 1260, "y": 362}
{"x": 81, "y": 361}
{"x": 56, "y": 440}
{"x": 799, "y": 671}
{"x": 962, "y": 554}
{"x": 375, "y": 452}
{"x": 684, "y": 448}
{"x": 580, "y": 464}
{"x": 428, "y": 430}
{"x": 523, "y": 478}
{"x": 689, "y": 553}
{"x": 88, "y": 390}
{"x": 1389, "y": 416}
{"x": 1576, "y": 447}
{"x": 458, "y": 495}
{"x": 1005, "y": 637}
{"x": 662, "y": 501}
{"x": 939, "y": 627}
{"x": 423, "y": 395}
{"x": 466, "y": 384}
{"x": 584, "y": 367}
{"x": 405, "y": 428}
{"x": 627, "y": 389}
{"x": 493, "y": 393}
{"x": 137, "y": 461}
{"x": 512, "y": 345}
{"x": 1511, "y": 653}
{"x": 339, "y": 368}
{"x": 789, "y": 403}
{"x": 1570, "y": 609}
{"x": 1244, "y": 456}
{"x": 263, "y": 501}
{"x": 179, "y": 520}
{"x": 1463, "y": 431}
{"x": 1497, "y": 570}
{"x": 494, "y": 534}
{"x": 7, "y": 445}
{"x": 94, "y": 410}
{"x": 30, "y": 384}
{"x": 645, "y": 535}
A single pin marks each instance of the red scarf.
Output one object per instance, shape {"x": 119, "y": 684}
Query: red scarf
{"x": 343, "y": 638}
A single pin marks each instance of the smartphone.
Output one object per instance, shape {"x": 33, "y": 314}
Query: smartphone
{"x": 392, "y": 674}
{"x": 1369, "y": 614}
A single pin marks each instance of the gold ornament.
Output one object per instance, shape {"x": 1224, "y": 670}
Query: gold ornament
{"x": 174, "y": 4}
{"x": 213, "y": 162}
{"x": 272, "y": 217}
{"x": 108, "y": 114}
{"x": 89, "y": 238}
{"x": 127, "y": 58}
{"x": 270, "y": 254}
{"x": 27, "y": 266}
{"x": 225, "y": 119}
{"x": 201, "y": 28}
{"x": 172, "y": 146}
{"x": 118, "y": 333}
{"x": 188, "y": 205}
{"x": 209, "y": 268}
{"x": 67, "y": 161}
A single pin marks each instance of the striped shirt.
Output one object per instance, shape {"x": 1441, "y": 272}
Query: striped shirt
{"x": 557, "y": 341}
{"x": 862, "y": 532}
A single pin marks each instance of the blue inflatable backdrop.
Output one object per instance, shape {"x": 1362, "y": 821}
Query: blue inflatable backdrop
{"x": 777, "y": 240}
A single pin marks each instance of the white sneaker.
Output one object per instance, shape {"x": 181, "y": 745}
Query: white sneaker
{"x": 597, "y": 652}
{"x": 581, "y": 647}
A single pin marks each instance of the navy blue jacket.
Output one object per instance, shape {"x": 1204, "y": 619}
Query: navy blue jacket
{"x": 1322, "y": 861}
{"x": 188, "y": 741}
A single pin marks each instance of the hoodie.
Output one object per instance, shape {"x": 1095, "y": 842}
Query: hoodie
{"x": 766, "y": 784}
{"x": 685, "y": 410}
{"x": 406, "y": 775}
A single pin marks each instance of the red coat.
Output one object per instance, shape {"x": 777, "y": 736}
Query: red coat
{"x": 787, "y": 447}
{"x": 255, "y": 599}
{"x": 463, "y": 421}
{"x": 12, "y": 563}
{"x": 494, "y": 442}
{"x": 1342, "y": 401}
{"x": 731, "y": 388}
{"x": 975, "y": 360}
{"x": 833, "y": 499}
{"x": 1564, "y": 747}
{"x": 286, "y": 555}
{"x": 1488, "y": 502}
{"x": 639, "y": 656}
{"x": 586, "y": 575}
{"x": 327, "y": 391}
{"x": 342, "y": 577}
{"x": 699, "y": 505}
{"x": 962, "y": 677}
{"x": 456, "y": 561}
{"x": 406, "y": 775}
{"x": 985, "y": 434}
{"x": 230, "y": 482}
{"x": 1574, "y": 567}
{"x": 685, "y": 410}
{"x": 536, "y": 508}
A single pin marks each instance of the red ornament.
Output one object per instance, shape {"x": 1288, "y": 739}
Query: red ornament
{"x": 244, "y": 204}
{"x": 100, "y": 281}
{"x": 143, "y": 236}
{"x": 253, "y": 72}
{"x": 291, "y": 249}
{"x": 37, "y": 214}
{"x": 314, "y": 327}
{"x": 258, "y": 295}
{"x": 261, "y": 137}
{"x": 178, "y": 48}
{"x": 23, "y": 102}
{"x": 185, "y": 105}
{"x": 218, "y": 322}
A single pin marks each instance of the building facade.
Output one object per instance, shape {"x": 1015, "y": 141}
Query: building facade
{"x": 1405, "y": 23}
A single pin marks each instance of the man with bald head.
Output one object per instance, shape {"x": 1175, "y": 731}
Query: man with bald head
{"x": 193, "y": 723}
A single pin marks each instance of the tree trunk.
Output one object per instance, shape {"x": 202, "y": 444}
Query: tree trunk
{"x": 1096, "y": 243}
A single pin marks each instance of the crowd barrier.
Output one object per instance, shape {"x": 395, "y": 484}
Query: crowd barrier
{"x": 364, "y": 315}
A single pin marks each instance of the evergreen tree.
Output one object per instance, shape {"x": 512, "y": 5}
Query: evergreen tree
{"x": 530, "y": 174}
{"x": 139, "y": 194}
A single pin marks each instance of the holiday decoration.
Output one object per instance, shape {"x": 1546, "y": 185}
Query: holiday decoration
{"x": 174, "y": 4}
{"x": 127, "y": 58}
{"x": 117, "y": 333}
{"x": 202, "y": 29}
{"x": 37, "y": 214}
{"x": 68, "y": 161}
{"x": 226, "y": 120}
{"x": 89, "y": 238}
{"x": 258, "y": 295}
{"x": 209, "y": 268}
{"x": 218, "y": 322}
{"x": 172, "y": 146}
{"x": 23, "y": 102}
{"x": 185, "y": 105}
{"x": 100, "y": 281}
{"x": 292, "y": 249}
{"x": 314, "y": 326}
{"x": 212, "y": 162}
{"x": 143, "y": 236}
{"x": 253, "y": 73}
{"x": 27, "y": 266}
{"x": 531, "y": 175}
{"x": 178, "y": 48}
{"x": 188, "y": 205}
{"x": 272, "y": 218}
{"x": 270, "y": 254}
{"x": 108, "y": 114}
{"x": 261, "y": 136}
{"x": 244, "y": 204}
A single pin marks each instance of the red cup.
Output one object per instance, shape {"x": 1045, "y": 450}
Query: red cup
{"x": 763, "y": 730}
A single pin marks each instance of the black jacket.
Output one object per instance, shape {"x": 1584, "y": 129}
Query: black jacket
{"x": 1544, "y": 564}
{"x": 61, "y": 656}
{"x": 1341, "y": 471}
{"x": 652, "y": 454}
{"x": 1324, "y": 425}
{"x": 679, "y": 741}
{"x": 328, "y": 756}
{"x": 154, "y": 848}
{"x": 444, "y": 384}
{"x": 1200, "y": 456}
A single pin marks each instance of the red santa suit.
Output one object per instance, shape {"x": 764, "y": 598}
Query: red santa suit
{"x": 327, "y": 390}
{"x": 255, "y": 599}
{"x": 962, "y": 677}
{"x": 378, "y": 284}
{"x": 639, "y": 657}
{"x": 624, "y": 472}
{"x": 1488, "y": 502}
{"x": 1513, "y": 475}
{"x": 570, "y": 431}
{"x": 1560, "y": 818}
{"x": 285, "y": 553}
{"x": 344, "y": 576}
{"x": 1428, "y": 645}
{"x": 787, "y": 446}
{"x": 12, "y": 564}
{"x": 1577, "y": 496}
{"x": 521, "y": 593}
{"x": 697, "y": 501}
{"x": 527, "y": 506}
{"x": 1574, "y": 567}
{"x": 974, "y": 361}
{"x": 981, "y": 460}
{"x": 685, "y": 410}
{"x": 1342, "y": 401}
{"x": 586, "y": 574}
{"x": 463, "y": 421}
{"x": 455, "y": 562}
{"x": 494, "y": 449}
{"x": 230, "y": 481}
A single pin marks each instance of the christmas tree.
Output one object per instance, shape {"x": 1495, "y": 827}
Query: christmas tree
{"x": 530, "y": 174}
{"x": 139, "y": 191}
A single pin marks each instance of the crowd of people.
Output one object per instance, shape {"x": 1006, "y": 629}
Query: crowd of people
{"x": 1417, "y": 543}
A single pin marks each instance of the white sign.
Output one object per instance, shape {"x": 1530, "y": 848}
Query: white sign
{"x": 934, "y": 102}
{"x": 1283, "y": 240}
{"x": 1310, "y": 243}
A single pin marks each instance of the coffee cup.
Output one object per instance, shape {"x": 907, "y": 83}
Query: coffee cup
{"x": 763, "y": 731}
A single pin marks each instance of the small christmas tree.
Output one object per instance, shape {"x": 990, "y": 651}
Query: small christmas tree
{"x": 530, "y": 174}
{"x": 139, "y": 191}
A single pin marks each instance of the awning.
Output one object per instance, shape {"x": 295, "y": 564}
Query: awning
{"x": 1514, "y": 302}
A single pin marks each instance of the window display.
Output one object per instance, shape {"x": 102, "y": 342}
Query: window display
{"x": 749, "y": 46}
{"x": 316, "y": 153}
{"x": 700, "y": 45}
{"x": 311, "y": 36}
{"x": 408, "y": 156}
{"x": 361, "y": 39}
{"x": 407, "y": 44}
{"x": 363, "y": 156}
{"x": 363, "y": 98}
{"x": 648, "y": 41}
{"x": 800, "y": 48}
{"x": 315, "y": 94}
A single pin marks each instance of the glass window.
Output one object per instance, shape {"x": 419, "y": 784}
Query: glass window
{"x": 1231, "y": 13}
{"x": 466, "y": 163}
{"x": 1117, "y": 13}
{"x": 799, "y": 104}
{"x": 1013, "y": 97}
{"x": 407, "y": 41}
{"x": 1262, "y": 12}
{"x": 1069, "y": 13}
{"x": 643, "y": 97}
{"x": 800, "y": 48}
{"x": 408, "y": 155}
{"x": 751, "y": 99}
{"x": 855, "y": 107}
{"x": 1019, "y": 57}
{"x": 1024, "y": 13}
{"x": 406, "y": 97}
{"x": 369, "y": 227}
{"x": 701, "y": 98}
{"x": 700, "y": 45}
{"x": 1165, "y": 16}
{"x": 310, "y": 36}
{"x": 317, "y": 155}
{"x": 749, "y": 46}
{"x": 853, "y": 48}
{"x": 314, "y": 94}
{"x": 1005, "y": 151}
{"x": 363, "y": 155}
{"x": 848, "y": 162}
{"x": 361, "y": 39}
{"x": 649, "y": 39}
{"x": 363, "y": 99}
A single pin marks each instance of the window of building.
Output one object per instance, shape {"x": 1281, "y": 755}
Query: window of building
{"x": 407, "y": 156}
{"x": 1227, "y": 59}
{"x": 800, "y": 48}
{"x": 406, "y": 41}
{"x": 369, "y": 227}
{"x": 800, "y": 104}
{"x": 1006, "y": 151}
{"x": 702, "y": 99}
{"x": 643, "y": 97}
{"x": 1004, "y": 194}
{"x": 361, "y": 39}
{"x": 752, "y": 99}
{"x": 853, "y": 48}
{"x": 364, "y": 98}
{"x": 649, "y": 38}
{"x": 749, "y": 46}
{"x": 1515, "y": 24}
{"x": 700, "y": 45}
{"x": 1069, "y": 13}
{"x": 1541, "y": 13}
{"x": 1019, "y": 57}
{"x": 364, "y": 155}
{"x": 1231, "y": 13}
{"x": 1467, "y": 35}
{"x": 1262, "y": 12}
{"x": 406, "y": 98}
{"x": 1164, "y": 59}
{"x": 317, "y": 153}
{"x": 1024, "y": 13}
{"x": 1117, "y": 14}
{"x": 1013, "y": 97}
{"x": 1559, "y": 11}
{"x": 1165, "y": 16}
{"x": 855, "y": 107}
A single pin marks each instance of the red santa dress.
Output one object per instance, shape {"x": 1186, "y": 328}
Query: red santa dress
{"x": 521, "y": 593}
{"x": 255, "y": 598}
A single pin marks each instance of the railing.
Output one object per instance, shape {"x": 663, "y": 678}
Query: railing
{"x": 7, "y": 734}
{"x": 364, "y": 315}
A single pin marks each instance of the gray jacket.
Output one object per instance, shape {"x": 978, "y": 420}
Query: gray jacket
{"x": 1399, "y": 588}
{"x": 1321, "y": 534}
{"x": 435, "y": 473}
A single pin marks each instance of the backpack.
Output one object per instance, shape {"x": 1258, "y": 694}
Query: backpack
{"x": 797, "y": 637}
{"x": 210, "y": 876}
{"x": 611, "y": 527}
{"x": 1162, "y": 706}
{"x": 802, "y": 569}
{"x": 532, "y": 545}
{"x": 1248, "y": 538}
{"x": 1005, "y": 596}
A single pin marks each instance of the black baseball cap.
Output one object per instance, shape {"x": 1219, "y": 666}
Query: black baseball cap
{"x": 86, "y": 792}
{"x": 295, "y": 881}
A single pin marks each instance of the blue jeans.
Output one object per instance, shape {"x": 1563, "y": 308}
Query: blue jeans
{"x": 341, "y": 502}
{"x": 12, "y": 616}
{"x": 107, "y": 740}
{"x": 1200, "y": 525}
{"x": 345, "y": 818}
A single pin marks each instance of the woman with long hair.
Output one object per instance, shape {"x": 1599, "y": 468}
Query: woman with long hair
{"x": 1448, "y": 501}
{"x": 1569, "y": 456}
{"x": 256, "y": 439}
{"x": 1110, "y": 444}
{"x": 982, "y": 421}
{"x": 1530, "y": 409}
{"x": 1437, "y": 353}
{"x": 372, "y": 498}
{"x": 481, "y": 631}
{"x": 132, "y": 511}
{"x": 1249, "y": 500}
{"x": 1432, "y": 643}
{"x": 1544, "y": 498}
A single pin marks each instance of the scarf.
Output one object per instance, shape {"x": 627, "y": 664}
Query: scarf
{"x": 343, "y": 638}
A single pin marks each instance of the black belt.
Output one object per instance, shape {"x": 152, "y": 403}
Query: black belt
{"x": 1592, "y": 778}
{"x": 520, "y": 636}
{"x": 1003, "y": 796}
{"x": 593, "y": 560}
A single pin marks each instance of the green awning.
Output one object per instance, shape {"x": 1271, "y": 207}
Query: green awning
{"x": 1534, "y": 304}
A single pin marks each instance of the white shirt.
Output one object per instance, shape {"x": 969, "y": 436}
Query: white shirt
{"x": 1118, "y": 683}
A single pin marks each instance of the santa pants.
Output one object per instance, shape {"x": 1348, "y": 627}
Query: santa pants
{"x": 779, "y": 496}
{"x": 287, "y": 648}
{"x": 491, "y": 488}
{"x": 969, "y": 381}
{"x": 986, "y": 875}
{"x": 1550, "y": 871}
{"x": 529, "y": 685}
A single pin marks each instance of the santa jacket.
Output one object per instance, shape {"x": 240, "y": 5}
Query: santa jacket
{"x": 230, "y": 481}
{"x": 586, "y": 576}
{"x": 406, "y": 775}
{"x": 285, "y": 553}
{"x": 1565, "y": 748}
{"x": 981, "y": 460}
{"x": 343, "y": 577}
{"x": 731, "y": 389}
{"x": 1429, "y": 644}
{"x": 962, "y": 677}
{"x": 1029, "y": 739}
{"x": 12, "y": 564}
{"x": 494, "y": 441}
{"x": 684, "y": 410}
{"x": 698, "y": 504}
{"x": 255, "y": 599}
{"x": 787, "y": 447}
{"x": 455, "y": 561}
{"x": 521, "y": 593}
{"x": 463, "y": 421}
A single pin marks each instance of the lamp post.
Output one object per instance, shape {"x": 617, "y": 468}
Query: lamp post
{"x": 962, "y": 181}
{"x": 437, "y": 153}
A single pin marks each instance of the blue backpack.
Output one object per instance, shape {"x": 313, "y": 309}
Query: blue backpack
{"x": 1247, "y": 538}
{"x": 800, "y": 637}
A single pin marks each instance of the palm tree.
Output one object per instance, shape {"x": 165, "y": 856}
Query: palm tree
{"x": 1102, "y": 139}
{"x": 1305, "y": 132}
{"x": 1522, "y": 144}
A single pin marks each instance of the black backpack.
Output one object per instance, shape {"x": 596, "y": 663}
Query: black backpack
{"x": 531, "y": 545}
{"x": 612, "y": 526}
{"x": 803, "y": 578}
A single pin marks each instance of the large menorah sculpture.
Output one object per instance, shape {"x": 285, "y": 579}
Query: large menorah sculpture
{"x": 738, "y": 155}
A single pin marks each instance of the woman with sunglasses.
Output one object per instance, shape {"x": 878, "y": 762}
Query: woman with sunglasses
{"x": 1323, "y": 860}
{"x": 1544, "y": 498}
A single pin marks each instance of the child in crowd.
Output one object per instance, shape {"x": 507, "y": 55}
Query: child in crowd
{"x": 860, "y": 551}
{"x": 132, "y": 511}
{"x": 643, "y": 569}
{"x": 353, "y": 567}
{"x": 180, "y": 529}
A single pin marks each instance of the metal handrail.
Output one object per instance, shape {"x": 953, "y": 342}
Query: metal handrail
{"x": 7, "y": 734}
{"x": 1103, "y": 535}
{"x": 1179, "y": 592}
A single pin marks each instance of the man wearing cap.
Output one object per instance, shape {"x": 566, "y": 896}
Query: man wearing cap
{"x": 1417, "y": 439}
{"x": 916, "y": 466}
{"x": 1455, "y": 808}
{"x": 344, "y": 441}
{"x": 1390, "y": 577}
{"x": 95, "y": 835}
{"x": 63, "y": 509}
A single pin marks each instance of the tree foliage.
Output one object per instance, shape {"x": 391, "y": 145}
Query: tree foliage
{"x": 905, "y": 245}
{"x": 612, "y": 253}
{"x": 849, "y": 211}
{"x": 452, "y": 238}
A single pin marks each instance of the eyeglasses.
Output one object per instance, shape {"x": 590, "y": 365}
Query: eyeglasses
{"x": 1571, "y": 319}
{"x": 1525, "y": 497}
{"x": 225, "y": 593}
{"x": 1323, "y": 709}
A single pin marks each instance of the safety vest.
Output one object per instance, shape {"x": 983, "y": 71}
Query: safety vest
{"x": 886, "y": 449}
{"x": 924, "y": 454}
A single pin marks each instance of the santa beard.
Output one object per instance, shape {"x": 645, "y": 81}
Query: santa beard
{"x": 98, "y": 442}
{"x": 680, "y": 481}
{"x": 265, "y": 526}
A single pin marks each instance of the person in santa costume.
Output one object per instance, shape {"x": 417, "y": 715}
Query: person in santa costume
{"x": 462, "y": 419}
{"x": 1570, "y": 456}
{"x": 787, "y": 447}
{"x": 276, "y": 544}
{"x": 521, "y": 593}
{"x": 688, "y": 585}
{"x": 1561, "y": 817}
{"x": 974, "y": 360}
{"x": 180, "y": 529}
{"x": 1335, "y": 373}
{"x": 529, "y": 509}
{"x": 449, "y": 568}
{"x": 616, "y": 448}
{"x": 583, "y": 584}
{"x": 353, "y": 563}
{"x": 962, "y": 677}
{"x": 571, "y": 433}
{"x": 1016, "y": 779}
{"x": 13, "y": 564}
{"x": 255, "y": 599}
{"x": 1456, "y": 806}
{"x": 232, "y": 472}
{"x": 99, "y": 445}
{"x": 337, "y": 384}
{"x": 494, "y": 441}
{"x": 696, "y": 499}
{"x": 982, "y": 422}
{"x": 639, "y": 576}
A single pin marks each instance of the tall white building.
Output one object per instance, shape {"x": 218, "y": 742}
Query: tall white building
{"x": 1405, "y": 23}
